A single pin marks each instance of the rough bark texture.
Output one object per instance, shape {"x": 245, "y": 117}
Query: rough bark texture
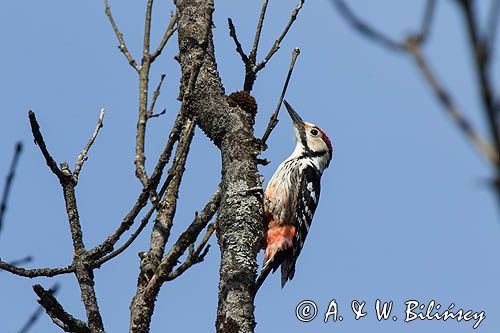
{"x": 142, "y": 307}
{"x": 239, "y": 222}
{"x": 83, "y": 270}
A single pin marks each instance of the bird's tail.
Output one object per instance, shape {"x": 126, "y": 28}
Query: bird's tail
{"x": 266, "y": 269}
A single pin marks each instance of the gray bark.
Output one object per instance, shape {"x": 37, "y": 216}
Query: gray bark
{"x": 239, "y": 222}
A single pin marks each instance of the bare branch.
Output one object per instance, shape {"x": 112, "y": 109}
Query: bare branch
{"x": 155, "y": 97}
{"x": 108, "y": 245}
{"x": 144, "y": 114}
{"x": 251, "y": 68}
{"x": 142, "y": 305}
{"x": 122, "y": 46}
{"x": 168, "y": 33}
{"x": 8, "y": 181}
{"x": 132, "y": 238}
{"x": 186, "y": 239}
{"x": 22, "y": 261}
{"x": 39, "y": 310}
{"x": 239, "y": 49}
{"x": 141, "y": 227}
{"x": 492, "y": 27}
{"x": 36, "y": 272}
{"x": 366, "y": 30}
{"x": 168, "y": 205}
{"x": 189, "y": 236}
{"x": 258, "y": 31}
{"x": 427, "y": 19}
{"x": 146, "y": 294}
{"x": 37, "y": 135}
{"x": 277, "y": 43}
{"x": 140, "y": 158}
{"x": 449, "y": 105}
{"x": 150, "y": 184}
{"x": 159, "y": 114}
{"x": 480, "y": 53}
{"x": 83, "y": 155}
{"x": 57, "y": 313}
{"x": 274, "y": 118}
{"x": 147, "y": 29}
{"x": 412, "y": 46}
{"x": 83, "y": 271}
{"x": 195, "y": 256}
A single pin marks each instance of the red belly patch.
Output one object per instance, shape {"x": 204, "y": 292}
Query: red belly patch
{"x": 278, "y": 238}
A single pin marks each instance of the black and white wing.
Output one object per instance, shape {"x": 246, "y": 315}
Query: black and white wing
{"x": 305, "y": 206}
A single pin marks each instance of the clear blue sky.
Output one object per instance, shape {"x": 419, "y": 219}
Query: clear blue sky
{"x": 404, "y": 212}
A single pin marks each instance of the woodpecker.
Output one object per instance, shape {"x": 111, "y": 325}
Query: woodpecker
{"x": 291, "y": 198}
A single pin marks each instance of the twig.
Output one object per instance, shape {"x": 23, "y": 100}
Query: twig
{"x": 36, "y": 272}
{"x": 480, "y": 56}
{"x": 34, "y": 317}
{"x": 492, "y": 27}
{"x": 142, "y": 305}
{"x": 251, "y": 67}
{"x": 274, "y": 118}
{"x": 277, "y": 43}
{"x": 57, "y": 313}
{"x": 147, "y": 29}
{"x": 195, "y": 256}
{"x": 147, "y": 60}
{"x": 168, "y": 33}
{"x": 187, "y": 238}
{"x": 8, "y": 181}
{"x": 22, "y": 261}
{"x": 168, "y": 205}
{"x": 107, "y": 245}
{"x": 366, "y": 30}
{"x": 122, "y": 46}
{"x": 155, "y": 97}
{"x": 427, "y": 19}
{"x": 412, "y": 46}
{"x": 144, "y": 222}
{"x": 83, "y": 155}
{"x": 239, "y": 49}
{"x": 140, "y": 158}
{"x": 159, "y": 114}
{"x": 480, "y": 51}
{"x": 449, "y": 105}
{"x": 37, "y": 135}
{"x": 143, "y": 71}
{"x": 258, "y": 31}
{"x": 150, "y": 184}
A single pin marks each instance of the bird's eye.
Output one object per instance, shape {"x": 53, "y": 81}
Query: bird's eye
{"x": 314, "y": 132}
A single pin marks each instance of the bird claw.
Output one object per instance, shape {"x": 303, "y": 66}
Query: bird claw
{"x": 257, "y": 190}
{"x": 253, "y": 190}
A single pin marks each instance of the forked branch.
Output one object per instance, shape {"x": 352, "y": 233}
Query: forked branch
{"x": 250, "y": 61}
{"x": 57, "y": 313}
{"x": 412, "y": 46}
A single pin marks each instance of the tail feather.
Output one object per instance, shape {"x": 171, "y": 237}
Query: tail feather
{"x": 266, "y": 269}
{"x": 287, "y": 270}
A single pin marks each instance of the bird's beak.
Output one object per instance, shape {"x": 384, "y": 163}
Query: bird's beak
{"x": 297, "y": 121}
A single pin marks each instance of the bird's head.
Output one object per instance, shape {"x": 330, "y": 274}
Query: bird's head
{"x": 311, "y": 141}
